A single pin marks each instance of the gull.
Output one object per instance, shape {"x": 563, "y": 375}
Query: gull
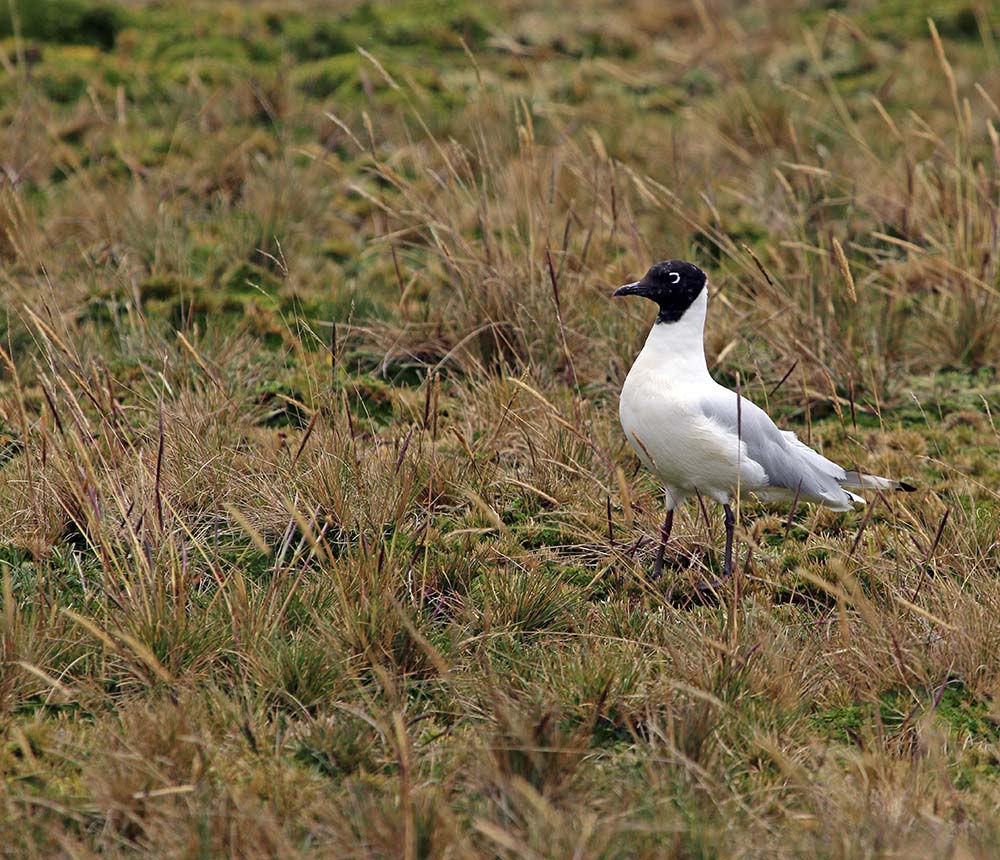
{"x": 699, "y": 437}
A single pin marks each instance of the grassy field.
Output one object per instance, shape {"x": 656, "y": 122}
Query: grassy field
{"x": 319, "y": 536}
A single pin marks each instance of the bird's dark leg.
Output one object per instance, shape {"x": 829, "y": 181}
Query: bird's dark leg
{"x": 668, "y": 524}
{"x": 727, "y": 566}
{"x": 709, "y": 588}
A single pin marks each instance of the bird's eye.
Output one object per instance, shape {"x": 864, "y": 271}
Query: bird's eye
{"x": 675, "y": 277}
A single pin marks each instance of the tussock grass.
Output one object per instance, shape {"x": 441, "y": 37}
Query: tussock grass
{"x": 318, "y": 533}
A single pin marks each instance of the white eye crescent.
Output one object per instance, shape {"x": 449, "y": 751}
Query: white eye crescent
{"x": 675, "y": 277}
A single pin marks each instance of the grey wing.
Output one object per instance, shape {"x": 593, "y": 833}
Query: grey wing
{"x": 789, "y": 463}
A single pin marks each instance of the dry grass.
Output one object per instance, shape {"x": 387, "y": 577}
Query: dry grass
{"x": 318, "y": 533}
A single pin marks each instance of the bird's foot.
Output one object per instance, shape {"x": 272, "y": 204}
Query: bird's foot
{"x": 657, "y": 566}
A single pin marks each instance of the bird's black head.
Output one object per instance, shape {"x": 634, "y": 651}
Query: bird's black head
{"x": 672, "y": 284}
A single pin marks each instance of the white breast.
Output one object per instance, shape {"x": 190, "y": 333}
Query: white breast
{"x": 660, "y": 414}
{"x": 684, "y": 449}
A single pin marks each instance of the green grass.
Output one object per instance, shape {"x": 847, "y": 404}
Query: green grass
{"x": 318, "y": 532}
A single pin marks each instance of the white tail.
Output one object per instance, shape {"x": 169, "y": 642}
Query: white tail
{"x": 856, "y": 481}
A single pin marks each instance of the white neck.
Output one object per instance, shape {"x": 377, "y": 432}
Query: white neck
{"x": 678, "y": 348}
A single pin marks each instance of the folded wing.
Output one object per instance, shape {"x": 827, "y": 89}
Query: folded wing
{"x": 792, "y": 468}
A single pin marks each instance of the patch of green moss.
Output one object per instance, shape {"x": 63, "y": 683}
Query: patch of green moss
{"x": 251, "y": 562}
{"x": 67, "y": 21}
{"x": 533, "y": 535}
{"x": 244, "y": 278}
{"x": 370, "y": 398}
{"x": 309, "y": 39}
{"x": 840, "y": 723}
{"x": 163, "y": 288}
{"x": 356, "y": 305}
{"x": 955, "y": 708}
{"x": 954, "y": 19}
{"x": 944, "y": 392}
{"x": 218, "y": 48}
{"x": 340, "y": 248}
{"x": 966, "y": 715}
{"x": 434, "y": 24}
{"x": 64, "y": 74}
{"x": 329, "y": 76}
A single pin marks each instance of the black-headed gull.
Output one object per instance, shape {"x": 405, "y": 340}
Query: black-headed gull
{"x": 697, "y": 436}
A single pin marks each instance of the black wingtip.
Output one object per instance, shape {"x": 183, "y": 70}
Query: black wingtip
{"x": 906, "y": 488}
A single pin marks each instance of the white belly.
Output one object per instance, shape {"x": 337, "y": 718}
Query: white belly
{"x": 684, "y": 449}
